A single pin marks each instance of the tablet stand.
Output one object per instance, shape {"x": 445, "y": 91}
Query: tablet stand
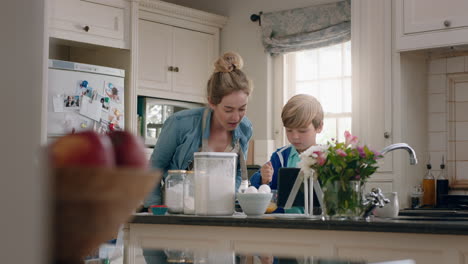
{"x": 309, "y": 186}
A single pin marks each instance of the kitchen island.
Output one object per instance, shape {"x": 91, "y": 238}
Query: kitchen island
{"x": 420, "y": 239}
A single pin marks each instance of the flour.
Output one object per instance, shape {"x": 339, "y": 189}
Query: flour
{"x": 174, "y": 198}
{"x": 189, "y": 205}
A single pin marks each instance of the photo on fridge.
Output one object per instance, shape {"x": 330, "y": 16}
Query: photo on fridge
{"x": 71, "y": 102}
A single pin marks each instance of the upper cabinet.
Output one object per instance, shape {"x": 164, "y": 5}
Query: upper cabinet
{"x": 174, "y": 60}
{"x": 422, "y": 24}
{"x": 100, "y": 22}
{"x": 176, "y": 53}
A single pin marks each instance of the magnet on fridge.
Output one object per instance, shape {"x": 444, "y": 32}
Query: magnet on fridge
{"x": 111, "y": 127}
{"x": 84, "y": 84}
{"x": 83, "y": 125}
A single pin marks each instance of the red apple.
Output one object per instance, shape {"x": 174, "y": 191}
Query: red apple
{"x": 129, "y": 150}
{"x": 82, "y": 149}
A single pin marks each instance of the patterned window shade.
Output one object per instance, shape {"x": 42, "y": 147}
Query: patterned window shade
{"x": 306, "y": 28}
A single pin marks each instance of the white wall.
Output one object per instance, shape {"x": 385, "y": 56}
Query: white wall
{"x": 446, "y": 131}
{"x": 22, "y": 187}
{"x": 412, "y": 122}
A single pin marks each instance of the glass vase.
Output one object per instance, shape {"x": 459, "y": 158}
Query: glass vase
{"x": 342, "y": 200}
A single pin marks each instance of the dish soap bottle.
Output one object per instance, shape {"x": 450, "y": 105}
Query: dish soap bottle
{"x": 429, "y": 198}
{"x": 442, "y": 186}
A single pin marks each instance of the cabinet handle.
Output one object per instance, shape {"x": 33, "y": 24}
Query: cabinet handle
{"x": 170, "y": 68}
{"x": 447, "y": 23}
{"x": 176, "y": 69}
{"x": 86, "y": 28}
{"x": 386, "y": 135}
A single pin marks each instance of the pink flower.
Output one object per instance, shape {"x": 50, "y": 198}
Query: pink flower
{"x": 322, "y": 158}
{"x": 377, "y": 154}
{"x": 350, "y": 139}
{"x": 357, "y": 177}
{"x": 341, "y": 153}
{"x": 362, "y": 154}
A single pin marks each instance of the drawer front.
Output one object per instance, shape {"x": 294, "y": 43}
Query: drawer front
{"x": 88, "y": 18}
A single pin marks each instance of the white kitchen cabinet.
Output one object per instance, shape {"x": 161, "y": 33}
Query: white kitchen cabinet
{"x": 422, "y": 24}
{"x": 100, "y": 22}
{"x": 351, "y": 245}
{"x": 173, "y": 61}
{"x": 176, "y": 50}
{"x": 372, "y": 84}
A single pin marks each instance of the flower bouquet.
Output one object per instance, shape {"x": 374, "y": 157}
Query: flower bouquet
{"x": 342, "y": 168}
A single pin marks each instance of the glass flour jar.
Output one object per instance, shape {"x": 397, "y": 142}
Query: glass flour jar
{"x": 189, "y": 193}
{"x": 174, "y": 191}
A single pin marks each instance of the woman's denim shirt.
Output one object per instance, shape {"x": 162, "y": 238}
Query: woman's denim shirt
{"x": 181, "y": 137}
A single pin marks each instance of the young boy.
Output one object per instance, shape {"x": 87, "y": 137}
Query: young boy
{"x": 302, "y": 117}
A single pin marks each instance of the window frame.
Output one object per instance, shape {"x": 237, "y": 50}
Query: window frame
{"x": 285, "y": 87}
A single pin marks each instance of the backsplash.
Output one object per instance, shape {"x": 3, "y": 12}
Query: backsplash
{"x": 448, "y": 116}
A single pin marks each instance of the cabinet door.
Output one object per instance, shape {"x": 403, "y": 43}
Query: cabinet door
{"x": 372, "y": 76}
{"x": 154, "y": 55}
{"x": 193, "y": 57}
{"x": 71, "y": 19}
{"x": 429, "y": 15}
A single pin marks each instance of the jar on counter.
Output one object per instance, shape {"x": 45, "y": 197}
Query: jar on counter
{"x": 174, "y": 191}
{"x": 189, "y": 193}
{"x": 416, "y": 196}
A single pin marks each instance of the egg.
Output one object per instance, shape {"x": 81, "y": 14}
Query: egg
{"x": 251, "y": 189}
{"x": 264, "y": 189}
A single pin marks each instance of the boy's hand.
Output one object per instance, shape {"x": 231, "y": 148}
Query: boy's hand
{"x": 267, "y": 173}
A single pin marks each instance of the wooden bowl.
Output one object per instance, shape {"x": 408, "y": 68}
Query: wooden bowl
{"x": 90, "y": 204}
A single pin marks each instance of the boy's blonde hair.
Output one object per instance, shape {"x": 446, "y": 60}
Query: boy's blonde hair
{"x": 301, "y": 110}
{"x": 227, "y": 78}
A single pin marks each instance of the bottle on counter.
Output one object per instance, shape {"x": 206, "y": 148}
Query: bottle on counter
{"x": 429, "y": 196}
{"x": 442, "y": 186}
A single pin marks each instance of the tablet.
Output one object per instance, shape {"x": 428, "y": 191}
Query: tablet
{"x": 286, "y": 179}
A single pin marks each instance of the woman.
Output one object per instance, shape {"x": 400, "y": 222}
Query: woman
{"x": 219, "y": 127}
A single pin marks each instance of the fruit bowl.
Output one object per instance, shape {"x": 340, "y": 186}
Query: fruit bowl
{"x": 254, "y": 204}
{"x": 90, "y": 204}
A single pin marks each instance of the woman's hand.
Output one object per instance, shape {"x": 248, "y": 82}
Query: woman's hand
{"x": 267, "y": 173}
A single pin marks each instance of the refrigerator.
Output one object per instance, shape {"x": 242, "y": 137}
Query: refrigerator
{"x": 84, "y": 97}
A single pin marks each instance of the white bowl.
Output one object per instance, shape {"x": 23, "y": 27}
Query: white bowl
{"x": 254, "y": 203}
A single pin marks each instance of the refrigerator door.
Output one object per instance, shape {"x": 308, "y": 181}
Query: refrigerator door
{"x": 83, "y": 97}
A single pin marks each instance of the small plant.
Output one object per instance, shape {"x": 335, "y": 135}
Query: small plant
{"x": 342, "y": 169}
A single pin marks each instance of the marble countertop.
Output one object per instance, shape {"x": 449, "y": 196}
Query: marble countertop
{"x": 402, "y": 224}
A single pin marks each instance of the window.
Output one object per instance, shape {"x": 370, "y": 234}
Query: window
{"x": 324, "y": 73}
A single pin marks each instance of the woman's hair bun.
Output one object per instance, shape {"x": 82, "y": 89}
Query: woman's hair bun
{"x": 229, "y": 62}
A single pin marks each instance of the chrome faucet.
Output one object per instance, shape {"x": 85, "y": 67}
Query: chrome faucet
{"x": 373, "y": 200}
{"x": 412, "y": 153}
